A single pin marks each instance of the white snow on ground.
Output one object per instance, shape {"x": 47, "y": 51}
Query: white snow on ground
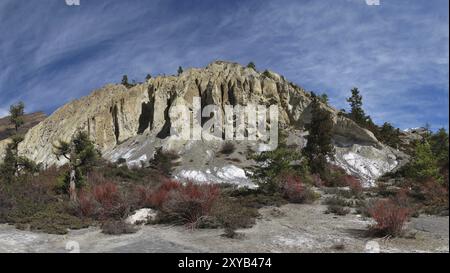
{"x": 194, "y": 175}
{"x": 229, "y": 174}
{"x": 366, "y": 162}
{"x": 137, "y": 162}
{"x": 141, "y": 216}
{"x": 264, "y": 148}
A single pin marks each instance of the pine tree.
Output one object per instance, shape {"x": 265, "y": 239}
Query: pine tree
{"x": 148, "y": 77}
{"x": 357, "y": 113}
{"x": 424, "y": 164}
{"x": 389, "y": 135}
{"x": 125, "y": 81}
{"x": 180, "y": 70}
{"x": 324, "y": 98}
{"x": 82, "y": 156}
{"x": 8, "y": 166}
{"x": 274, "y": 163}
{"x": 13, "y": 164}
{"x": 440, "y": 143}
{"x": 16, "y": 112}
{"x": 440, "y": 147}
{"x": 319, "y": 140}
{"x": 251, "y": 65}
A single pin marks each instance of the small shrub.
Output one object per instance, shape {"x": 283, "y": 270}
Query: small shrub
{"x": 143, "y": 196}
{"x": 295, "y": 191}
{"x": 63, "y": 181}
{"x": 102, "y": 201}
{"x": 117, "y": 228}
{"x": 354, "y": 184}
{"x": 165, "y": 161}
{"x": 362, "y": 207}
{"x": 227, "y": 148}
{"x": 432, "y": 195}
{"x": 230, "y": 233}
{"x": 390, "y": 218}
{"x": 123, "y": 172}
{"x": 336, "y": 200}
{"x": 338, "y": 210}
{"x": 333, "y": 177}
{"x": 54, "y": 220}
{"x": 234, "y": 213}
{"x": 337, "y": 205}
{"x": 106, "y": 194}
{"x": 160, "y": 196}
{"x": 187, "y": 204}
{"x": 86, "y": 204}
{"x": 317, "y": 181}
{"x": 121, "y": 161}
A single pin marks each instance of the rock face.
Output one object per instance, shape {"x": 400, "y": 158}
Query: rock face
{"x": 131, "y": 123}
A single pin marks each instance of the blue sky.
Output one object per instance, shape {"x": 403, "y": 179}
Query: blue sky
{"x": 397, "y": 53}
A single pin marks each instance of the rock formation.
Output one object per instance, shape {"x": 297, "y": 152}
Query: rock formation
{"x": 130, "y": 123}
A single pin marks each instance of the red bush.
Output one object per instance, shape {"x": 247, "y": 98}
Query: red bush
{"x": 434, "y": 194}
{"x": 390, "y": 217}
{"x": 402, "y": 198}
{"x": 317, "y": 181}
{"x": 206, "y": 195}
{"x": 353, "y": 183}
{"x": 159, "y": 196}
{"x": 169, "y": 185}
{"x": 95, "y": 177}
{"x": 294, "y": 190}
{"x": 102, "y": 201}
{"x": 106, "y": 194}
{"x": 186, "y": 204}
{"x": 143, "y": 196}
{"x": 86, "y": 204}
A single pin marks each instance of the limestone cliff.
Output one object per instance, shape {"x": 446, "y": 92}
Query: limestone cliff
{"x": 120, "y": 120}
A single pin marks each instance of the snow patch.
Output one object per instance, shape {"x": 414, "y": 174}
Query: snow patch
{"x": 229, "y": 174}
{"x": 366, "y": 162}
{"x": 141, "y": 216}
{"x": 264, "y": 148}
{"x": 137, "y": 162}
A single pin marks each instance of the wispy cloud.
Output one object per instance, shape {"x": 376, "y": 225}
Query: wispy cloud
{"x": 396, "y": 53}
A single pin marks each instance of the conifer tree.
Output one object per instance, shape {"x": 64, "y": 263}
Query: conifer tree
{"x": 356, "y": 111}
{"x": 251, "y": 65}
{"x": 180, "y": 70}
{"x": 125, "y": 81}
{"x": 319, "y": 140}
{"x": 82, "y": 156}
{"x": 16, "y": 112}
{"x": 424, "y": 164}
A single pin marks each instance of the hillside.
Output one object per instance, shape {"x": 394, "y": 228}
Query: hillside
{"x": 31, "y": 120}
{"x": 131, "y": 123}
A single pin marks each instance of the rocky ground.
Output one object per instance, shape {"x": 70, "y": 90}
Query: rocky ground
{"x": 290, "y": 228}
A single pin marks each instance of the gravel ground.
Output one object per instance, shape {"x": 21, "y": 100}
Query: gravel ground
{"x": 290, "y": 228}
